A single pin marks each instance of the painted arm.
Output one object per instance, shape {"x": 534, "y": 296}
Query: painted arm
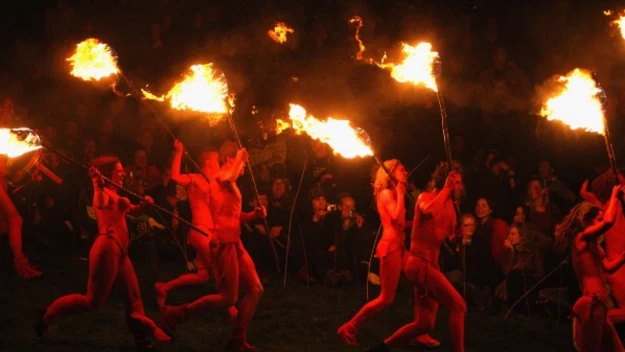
{"x": 230, "y": 173}
{"x": 611, "y": 266}
{"x": 395, "y": 208}
{"x": 589, "y": 196}
{"x": 608, "y": 218}
{"x": 100, "y": 198}
{"x": 258, "y": 213}
{"x": 181, "y": 179}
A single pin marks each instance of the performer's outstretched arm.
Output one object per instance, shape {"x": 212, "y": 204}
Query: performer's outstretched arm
{"x": 181, "y": 179}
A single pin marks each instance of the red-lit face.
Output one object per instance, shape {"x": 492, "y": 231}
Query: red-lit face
{"x": 118, "y": 174}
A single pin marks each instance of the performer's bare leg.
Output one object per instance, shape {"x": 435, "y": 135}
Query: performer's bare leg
{"x": 227, "y": 263}
{"x": 435, "y": 289}
{"x": 12, "y": 217}
{"x": 390, "y": 271}
{"x": 252, "y": 292}
{"x": 104, "y": 259}
{"x": 201, "y": 245}
{"x": 138, "y": 323}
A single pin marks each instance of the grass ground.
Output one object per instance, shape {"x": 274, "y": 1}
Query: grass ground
{"x": 293, "y": 319}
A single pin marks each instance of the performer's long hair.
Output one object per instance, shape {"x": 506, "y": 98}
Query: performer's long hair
{"x": 575, "y": 222}
{"x": 382, "y": 178}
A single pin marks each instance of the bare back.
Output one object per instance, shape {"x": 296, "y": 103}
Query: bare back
{"x": 112, "y": 218}
{"x": 430, "y": 230}
{"x": 225, "y": 205}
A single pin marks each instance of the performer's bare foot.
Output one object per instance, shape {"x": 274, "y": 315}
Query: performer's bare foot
{"x": 40, "y": 326}
{"x": 239, "y": 345}
{"x": 233, "y": 313}
{"x": 424, "y": 341}
{"x": 161, "y": 294}
{"x": 347, "y": 332}
{"x": 171, "y": 316}
{"x": 25, "y": 269}
{"x": 144, "y": 324}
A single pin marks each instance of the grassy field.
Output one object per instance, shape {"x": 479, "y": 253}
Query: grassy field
{"x": 293, "y": 319}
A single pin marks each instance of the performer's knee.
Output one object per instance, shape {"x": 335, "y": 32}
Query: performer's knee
{"x": 257, "y": 289}
{"x": 583, "y": 307}
{"x": 459, "y": 306}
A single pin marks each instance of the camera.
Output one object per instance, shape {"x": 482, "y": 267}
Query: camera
{"x": 332, "y": 207}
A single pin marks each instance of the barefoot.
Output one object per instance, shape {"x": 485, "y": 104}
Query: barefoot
{"x": 161, "y": 294}
{"x": 171, "y": 316}
{"x": 424, "y": 341}
{"x": 25, "y": 269}
{"x": 347, "y": 332}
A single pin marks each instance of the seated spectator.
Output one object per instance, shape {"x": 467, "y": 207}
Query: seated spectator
{"x": 140, "y": 168}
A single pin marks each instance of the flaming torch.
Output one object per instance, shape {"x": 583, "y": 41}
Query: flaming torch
{"x": 17, "y": 141}
{"x": 620, "y": 22}
{"x": 93, "y": 61}
{"x": 421, "y": 67}
{"x": 579, "y": 104}
{"x": 279, "y": 32}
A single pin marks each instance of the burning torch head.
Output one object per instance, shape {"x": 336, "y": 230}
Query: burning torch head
{"x": 17, "y": 141}
{"x": 603, "y": 97}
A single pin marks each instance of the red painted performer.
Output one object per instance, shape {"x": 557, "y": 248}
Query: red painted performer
{"x": 614, "y": 239}
{"x": 434, "y": 221}
{"x": 580, "y": 229}
{"x": 232, "y": 266}
{"x": 108, "y": 259}
{"x": 390, "y": 198}
{"x": 198, "y": 191}
{"x": 11, "y": 224}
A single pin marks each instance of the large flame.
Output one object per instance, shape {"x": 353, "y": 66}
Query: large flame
{"x": 203, "y": 90}
{"x": 279, "y": 32}
{"x": 577, "y": 103}
{"x": 416, "y": 68}
{"x": 338, "y": 134}
{"x": 281, "y": 125}
{"x": 621, "y": 24}
{"x": 18, "y": 141}
{"x": 361, "y": 46}
{"x": 93, "y": 60}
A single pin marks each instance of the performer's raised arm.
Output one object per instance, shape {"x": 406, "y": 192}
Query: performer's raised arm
{"x": 394, "y": 207}
{"x": 431, "y": 206}
{"x": 597, "y": 229}
{"x": 588, "y": 196}
{"x": 181, "y": 179}
{"x": 100, "y": 198}
{"x": 611, "y": 266}
{"x": 231, "y": 171}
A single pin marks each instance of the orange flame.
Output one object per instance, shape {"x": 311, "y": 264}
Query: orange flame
{"x": 281, "y": 125}
{"x": 621, "y": 24}
{"x": 93, "y": 60}
{"x": 338, "y": 134}
{"x": 18, "y": 141}
{"x": 416, "y": 68}
{"x": 203, "y": 90}
{"x": 607, "y": 12}
{"x": 279, "y": 32}
{"x": 361, "y": 46}
{"x": 576, "y": 104}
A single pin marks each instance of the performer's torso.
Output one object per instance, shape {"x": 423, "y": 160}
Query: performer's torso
{"x": 199, "y": 200}
{"x": 587, "y": 259}
{"x": 112, "y": 219}
{"x": 225, "y": 207}
{"x": 431, "y": 230}
{"x": 392, "y": 231}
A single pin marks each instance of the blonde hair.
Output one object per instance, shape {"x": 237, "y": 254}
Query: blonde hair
{"x": 382, "y": 178}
